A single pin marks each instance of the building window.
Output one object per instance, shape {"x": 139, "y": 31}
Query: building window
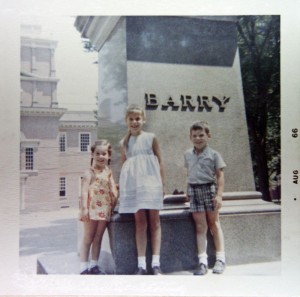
{"x": 62, "y": 187}
{"x": 29, "y": 158}
{"x": 84, "y": 141}
{"x": 62, "y": 142}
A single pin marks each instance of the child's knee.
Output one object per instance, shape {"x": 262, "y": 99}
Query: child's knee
{"x": 87, "y": 240}
{"x": 141, "y": 225}
{"x": 201, "y": 227}
{"x": 155, "y": 224}
{"x": 215, "y": 227}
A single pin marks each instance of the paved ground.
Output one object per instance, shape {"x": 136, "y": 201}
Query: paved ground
{"x": 53, "y": 236}
{"x": 46, "y": 233}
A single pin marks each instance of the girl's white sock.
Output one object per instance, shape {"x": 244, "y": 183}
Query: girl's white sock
{"x": 84, "y": 266}
{"x": 220, "y": 256}
{"x": 155, "y": 260}
{"x": 142, "y": 262}
{"x": 203, "y": 258}
{"x": 93, "y": 263}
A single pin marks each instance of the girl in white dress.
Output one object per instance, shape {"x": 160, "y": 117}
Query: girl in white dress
{"x": 141, "y": 185}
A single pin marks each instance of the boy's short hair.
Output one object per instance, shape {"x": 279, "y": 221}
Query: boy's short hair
{"x": 200, "y": 125}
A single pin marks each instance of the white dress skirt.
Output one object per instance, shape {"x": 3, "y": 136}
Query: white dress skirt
{"x": 140, "y": 181}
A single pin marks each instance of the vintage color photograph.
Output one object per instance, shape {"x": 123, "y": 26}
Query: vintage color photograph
{"x": 152, "y": 145}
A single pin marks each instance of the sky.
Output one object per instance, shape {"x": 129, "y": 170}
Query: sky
{"x": 75, "y": 68}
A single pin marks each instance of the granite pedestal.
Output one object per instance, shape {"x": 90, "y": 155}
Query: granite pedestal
{"x": 251, "y": 229}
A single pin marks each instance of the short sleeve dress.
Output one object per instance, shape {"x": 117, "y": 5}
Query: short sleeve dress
{"x": 140, "y": 180}
{"x": 102, "y": 195}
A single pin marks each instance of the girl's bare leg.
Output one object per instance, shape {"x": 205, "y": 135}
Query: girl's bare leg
{"x": 141, "y": 232}
{"x": 155, "y": 231}
{"x": 96, "y": 244}
{"x": 89, "y": 230}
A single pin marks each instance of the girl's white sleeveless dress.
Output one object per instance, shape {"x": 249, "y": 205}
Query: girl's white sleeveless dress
{"x": 140, "y": 181}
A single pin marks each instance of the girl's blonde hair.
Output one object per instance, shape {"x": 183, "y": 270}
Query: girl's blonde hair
{"x": 102, "y": 142}
{"x": 130, "y": 109}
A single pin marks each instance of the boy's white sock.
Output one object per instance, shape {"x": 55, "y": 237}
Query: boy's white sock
{"x": 142, "y": 262}
{"x": 220, "y": 256}
{"x": 83, "y": 266}
{"x": 203, "y": 258}
{"x": 155, "y": 260}
{"x": 93, "y": 263}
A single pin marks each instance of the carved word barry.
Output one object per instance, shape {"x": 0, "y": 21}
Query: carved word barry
{"x": 186, "y": 103}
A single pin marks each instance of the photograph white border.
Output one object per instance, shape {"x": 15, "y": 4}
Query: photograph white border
{"x": 13, "y": 283}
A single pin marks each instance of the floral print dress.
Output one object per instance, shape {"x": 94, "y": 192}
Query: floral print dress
{"x": 102, "y": 197}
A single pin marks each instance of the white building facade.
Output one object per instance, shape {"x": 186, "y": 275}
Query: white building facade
{"x": 55, "y": 143}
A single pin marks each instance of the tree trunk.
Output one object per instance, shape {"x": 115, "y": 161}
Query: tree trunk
{"x": 262, "y": 165}
{"x": 262, "y": 173}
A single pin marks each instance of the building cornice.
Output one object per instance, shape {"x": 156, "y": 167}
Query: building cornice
{"x": 26, "y": 173}
{"x": 96, "y": 28}
{"x": 38, "y": 43}
{"x": 41, "y": 79}
{"x": 32, "y": 143}
{"x": 74, "y": 125}
{"x": 42, "y": 111}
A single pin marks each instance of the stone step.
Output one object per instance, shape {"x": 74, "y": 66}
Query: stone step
{"x": 68, "y": 264}
{"x": 252, "y": 232}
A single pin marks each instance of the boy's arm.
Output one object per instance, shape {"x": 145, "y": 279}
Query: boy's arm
{"x": 220, "y": 186}
{"x": 187, "y": 174}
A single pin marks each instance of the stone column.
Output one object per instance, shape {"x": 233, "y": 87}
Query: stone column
{"x": 34, "y": 91}
{"x": 54, "y": 102}
{"x": 52, "y": 72}
{"x": 23, "y": 179}
{"x": 33, "y": 58}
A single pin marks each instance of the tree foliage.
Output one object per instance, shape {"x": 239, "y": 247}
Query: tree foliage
{"x": 259, "y": 45}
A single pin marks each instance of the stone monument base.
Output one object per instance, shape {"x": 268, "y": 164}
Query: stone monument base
{"x": 251, "y": 226}
{"x": 251, "y": 229}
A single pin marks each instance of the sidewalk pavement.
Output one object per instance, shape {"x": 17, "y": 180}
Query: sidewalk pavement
{"x": 53, "y": 235}
{"x": 46, "y": 233}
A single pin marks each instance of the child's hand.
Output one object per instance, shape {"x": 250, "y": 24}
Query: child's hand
{"x": 218, "y": 201}
{"x": 84, "y": 215}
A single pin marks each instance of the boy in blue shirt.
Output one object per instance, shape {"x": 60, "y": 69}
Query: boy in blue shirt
{"x": 205, "y": 185}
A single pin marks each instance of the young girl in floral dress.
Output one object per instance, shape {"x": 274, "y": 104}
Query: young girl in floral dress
{"x": 98, "y": 199}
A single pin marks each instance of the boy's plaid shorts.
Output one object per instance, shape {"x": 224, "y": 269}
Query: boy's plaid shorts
{"x": 201, "y": 197}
